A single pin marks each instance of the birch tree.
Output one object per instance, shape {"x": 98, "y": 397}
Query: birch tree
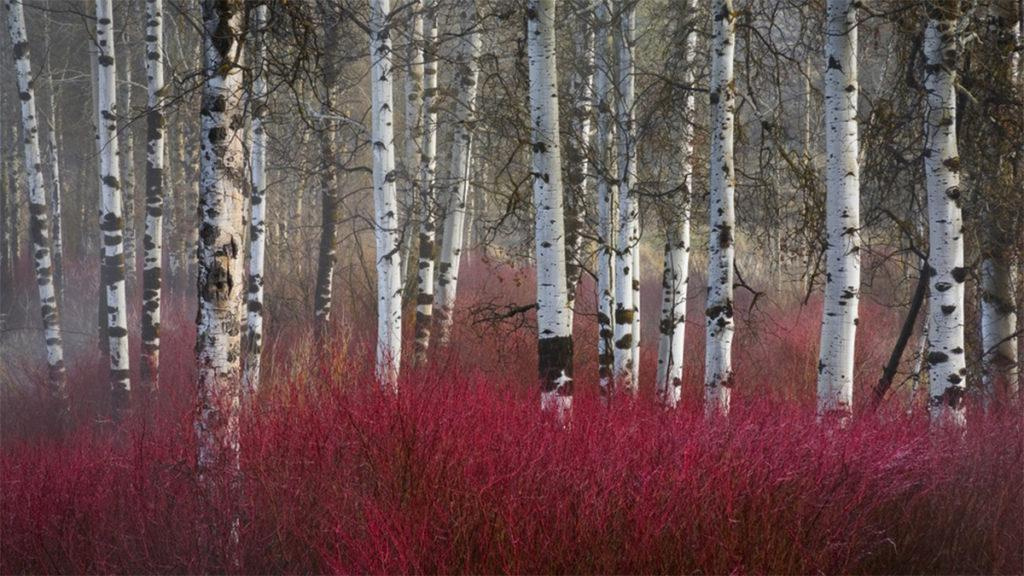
{"x": 328, "y": 175}
{"x": 465, "y": 81}
{"x": 947, "y": 368}
{"x": 111, "y": 210}
{"x": 626, "y": 274}
{"x": 257, "y": 225}
{"x": 428, "y": 200}
{"x": 603, "y": 98}
{"x": 842, "y": 184}
{"x": 220, "y": 280}
{"x": 675, "y": 277}
{"x": 721, "y": 243}
{"x": 554, "y": 321}
{"x": 56, "y": 195}
{"x": 385, "y": 201}
{"x": 39, "y": 227}
{"x": 128, "y": 162}
{"x": 152, "y": 241}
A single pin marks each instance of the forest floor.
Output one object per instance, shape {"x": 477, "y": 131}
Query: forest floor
{"x": 462, "y": 474}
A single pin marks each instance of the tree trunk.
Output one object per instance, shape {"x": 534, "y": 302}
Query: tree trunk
{"x": 604, "y": 95}
{"x": 842, "y": 286}
{"x": 428, "y": 200}
{"x": 413, "y": 132}
{"x": 128, "y": 160}
{"x": 257, "y": 226}
{"x": 220, "y": 279}
{"x": 57, "y": 226}
{"x": 554, "y": 321}
{"x": 578, "y": 142}
{"x": 629, "y": 207}
{"x": 328, "y": 183}
{"x": 947, "y": 369}
{"x": 39, "y": 229}
{"x": 111, "y": 212}
{"x": 466, "y": 71}
{"x": 153, "y": 240}
{"x": 675, "y": 278}
{"x": 385, "y": 201}
{"x": 721, "y": 246}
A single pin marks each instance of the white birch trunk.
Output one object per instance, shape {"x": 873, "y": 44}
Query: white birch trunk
{"x": 413, "y": 130}
{"x": 39, "y": 229}
{"x": 330, "y": 208}
{"x": 385, "y": 201}
{"x": 626, "y": 275}
{"x": 947, "y": 368}
{"x": 721, "y": 244}
{"x": 152, "y": 274}
{"x": 604, "y": 96}
{"x": 257, "y": 226}
{"x": 1000, "y": 368}
{"x": 221, "y": 280}
{"x": 465, "y": 82}
{"x": 842, "y": 285}
{"x": 111, "y": 210}
{"x": 554, "y": 322}
{"x": 675, "y": 278}
{"x": 428, "y": 200}
{"x": 128, "y": 161}
{"x": 56, "y": 195}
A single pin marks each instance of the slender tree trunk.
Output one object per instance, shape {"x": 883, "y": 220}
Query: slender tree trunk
{"x": 721, "y": 245}
{"x": 458, "y": 184}
{"x": 675, "y": 278}
{"x": 57, "y": 226}
{"x": 947, "y": 369}
{"x": 153, "y": 241}
{"x": 111, "y": 212}
{"x": 554, "y": 321}
{"x": 998, "y": 308}
{"x": 220, "y": 259}
{"x": 385, "y": 201}
{"x": 629, "y": 206}
{"x": 603, "y": 96}
{"x": 328, "y": 184}
{"x": 128, "y": 160}
{"x": 428, "y": 200}
{"x": 39, "y": 229}
{"x": 842, "y": 287}
{"x": 258, "y": 226}
{"x": 577, "y": 182}
{"x": 413, "y": 132}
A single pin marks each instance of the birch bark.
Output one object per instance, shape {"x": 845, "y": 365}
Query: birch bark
{"x": 39, "y": 229}
{"x": 947, "y": 368}
{"x": 385, "y": 201}
{"x": 428, "y": 200}
{"x": 606, "y": 175}
{"x": 554, "y": 321}
{"x": 257, "y": 226}
{"x": 626, "y": 320}
{"x": 466, "y": 73}
{"x": 328, "y": 182}
{"x": 111, "y": 211}
{"x": 842, "y": 285}
{"x": 721, "y": 244}
{"x": 152, "y": 241}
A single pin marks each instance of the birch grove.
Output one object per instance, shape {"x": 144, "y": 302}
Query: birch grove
{"x": 554, "y": 321}
{"x": 946, "y": 359}
{"x": 718, "y": 310}
{"x": 458, "y": 183}
{"x": 112, "y": 211}
{"x": 385, "y": 201}
{"x": 842, "y": 284}
{"x": 153, "y": 239}
{"x": 39, "y": 228}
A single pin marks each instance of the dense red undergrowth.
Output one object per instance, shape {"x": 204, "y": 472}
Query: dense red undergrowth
{"x": 461, "y": 473}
